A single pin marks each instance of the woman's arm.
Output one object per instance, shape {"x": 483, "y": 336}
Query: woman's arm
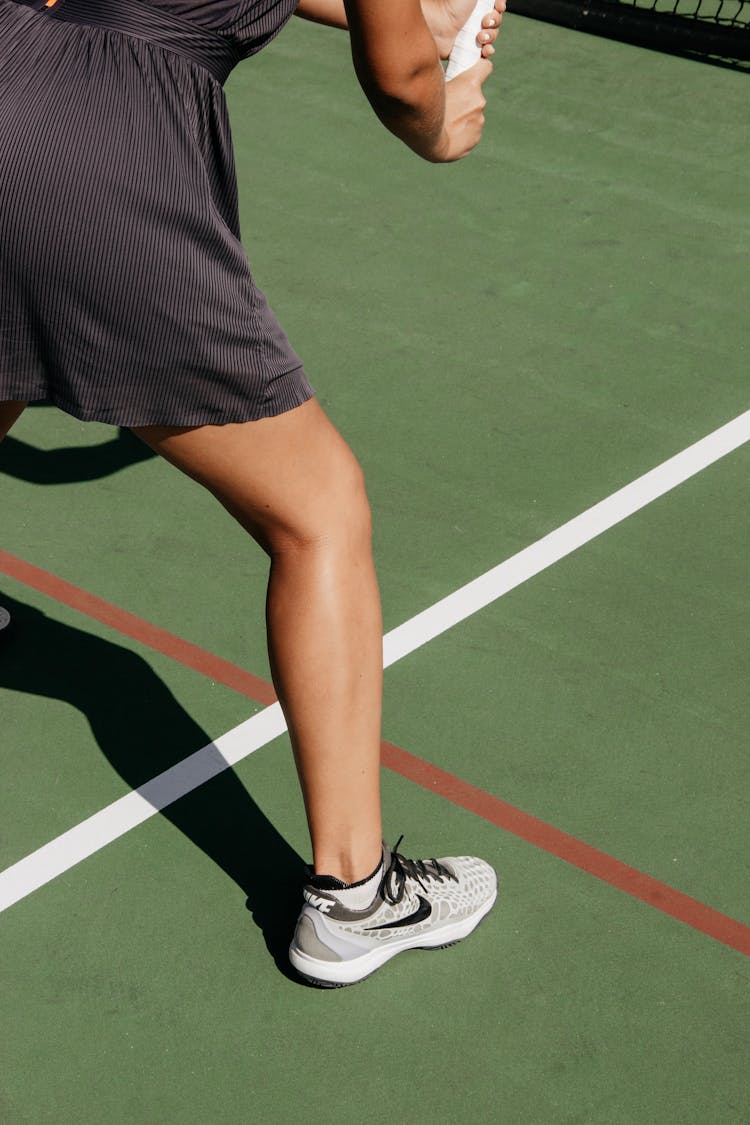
{"x": 397, "y": 63}
{"x": 396, "y": 47}
{"x": 398, "y": 68}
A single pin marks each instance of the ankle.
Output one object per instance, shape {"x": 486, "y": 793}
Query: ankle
{"x": 348, "y": 867}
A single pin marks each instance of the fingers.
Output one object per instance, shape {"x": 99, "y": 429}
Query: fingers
{"x": 490, "y": 27}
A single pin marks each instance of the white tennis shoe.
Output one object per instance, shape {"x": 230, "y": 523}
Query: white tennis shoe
{"x": 419, "y": 904}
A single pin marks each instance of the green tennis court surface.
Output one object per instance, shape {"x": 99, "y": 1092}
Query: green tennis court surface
{"x": 505, "y": 343}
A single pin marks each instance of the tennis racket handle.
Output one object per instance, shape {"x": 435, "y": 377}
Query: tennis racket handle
{"x": 465, "y": 50}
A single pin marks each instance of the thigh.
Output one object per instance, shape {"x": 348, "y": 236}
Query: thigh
{"x": 292, "y": 475}
{"x": 9, "y": 413}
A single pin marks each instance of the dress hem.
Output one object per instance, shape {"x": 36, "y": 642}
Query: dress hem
{"x": 291, "y": 390}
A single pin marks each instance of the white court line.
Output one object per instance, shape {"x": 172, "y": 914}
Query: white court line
{"x": 113, "y": 821}
{"x": 581, "y": 529}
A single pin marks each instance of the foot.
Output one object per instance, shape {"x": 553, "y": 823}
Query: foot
{"x": 418, "y": 904}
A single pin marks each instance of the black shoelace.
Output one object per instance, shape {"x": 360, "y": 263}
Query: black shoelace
{"x": 400, "y": 869}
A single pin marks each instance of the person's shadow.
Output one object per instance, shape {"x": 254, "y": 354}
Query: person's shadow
{"x": 142, "y": 730}
{"x": 70, "y": 464}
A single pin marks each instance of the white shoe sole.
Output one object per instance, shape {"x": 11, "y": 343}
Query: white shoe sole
{"x": 336, "y": 974}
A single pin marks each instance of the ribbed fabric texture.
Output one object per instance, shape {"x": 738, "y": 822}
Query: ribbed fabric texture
{"x": 126, "y": 293}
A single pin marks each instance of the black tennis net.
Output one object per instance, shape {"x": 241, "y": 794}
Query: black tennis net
{"x": 717, "y": 29}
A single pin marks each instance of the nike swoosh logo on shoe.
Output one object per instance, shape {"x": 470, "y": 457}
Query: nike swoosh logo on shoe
{"x": 423, "y": 911}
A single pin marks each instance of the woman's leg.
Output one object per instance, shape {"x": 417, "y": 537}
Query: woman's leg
{"x": 9, "y": 412}
{"x": 293, "y": 483}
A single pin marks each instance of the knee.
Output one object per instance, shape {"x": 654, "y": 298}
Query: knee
{"x": 337, "y": 518}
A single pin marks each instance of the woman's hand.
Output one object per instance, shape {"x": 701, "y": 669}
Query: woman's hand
{"x": 464, "y": 114}
{"x": 445, "y": 18}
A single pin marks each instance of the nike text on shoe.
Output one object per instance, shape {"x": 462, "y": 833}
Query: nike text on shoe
{"x": 420, "y": 904}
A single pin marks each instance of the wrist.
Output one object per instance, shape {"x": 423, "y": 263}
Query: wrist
{"x": 438, "y": 151}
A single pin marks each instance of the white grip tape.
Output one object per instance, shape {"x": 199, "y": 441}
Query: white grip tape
{"x": 465, "y": 50}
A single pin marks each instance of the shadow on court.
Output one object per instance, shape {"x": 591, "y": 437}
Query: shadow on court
{"x": 142, "y": 729}
{"x": 72, "y": 464}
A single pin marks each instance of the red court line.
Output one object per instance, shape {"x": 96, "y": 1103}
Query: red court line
{"x": 635, "y": 883}
{"x": 138, "y": 629}
{"x": 628, "y": 879}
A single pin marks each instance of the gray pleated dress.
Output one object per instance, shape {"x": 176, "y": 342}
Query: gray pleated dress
{"x": 125, "y": 293}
